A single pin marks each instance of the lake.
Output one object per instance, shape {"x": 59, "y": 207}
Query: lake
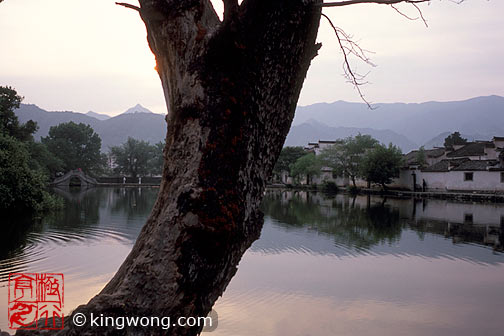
{"x": 324, "y": 265}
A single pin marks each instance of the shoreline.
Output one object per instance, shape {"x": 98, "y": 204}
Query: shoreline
{"x": 476, "y": 196}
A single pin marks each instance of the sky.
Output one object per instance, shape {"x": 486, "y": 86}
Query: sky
{"x": 82, "y": 55}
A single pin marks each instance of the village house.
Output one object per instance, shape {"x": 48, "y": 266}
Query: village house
{"x": 326, "y": 173}
{"x": 475, "y": 166}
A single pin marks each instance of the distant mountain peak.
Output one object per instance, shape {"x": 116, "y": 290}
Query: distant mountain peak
{"x": 137, "y": 109}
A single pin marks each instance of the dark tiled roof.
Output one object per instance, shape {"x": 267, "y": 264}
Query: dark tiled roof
{"x": 444, "y": 165}
{"x": 436, "y": 152}
{"x": 471, "y": 149}
{"x": 441, "y": 166}
{"x": 411, "y": 157}
{"x": 476, "y": 165}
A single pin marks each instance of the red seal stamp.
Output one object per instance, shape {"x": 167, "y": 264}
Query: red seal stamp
{"x": 34, "y": 296}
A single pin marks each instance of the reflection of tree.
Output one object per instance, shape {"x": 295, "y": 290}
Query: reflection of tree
{"x": 80, "y": 219}
{"x": 134, "y": 201}
{"x": 80, "y": 211}
{"x": 343, "y": 218}
{"x": 81, "y": 208}
{"x": 14, "y": 235}
{"x": 359, "y": 223}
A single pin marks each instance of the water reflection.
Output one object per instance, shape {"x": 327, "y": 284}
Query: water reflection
{"x": 372, "y": 224}
{"x": 98, "y": 213}
{"x": 353, "y": 222}
{"x": 87, "y": 241}
{"x": 14, "y": 244}
{"x": 368, "y": 266}
{"x": 324, "y": 265}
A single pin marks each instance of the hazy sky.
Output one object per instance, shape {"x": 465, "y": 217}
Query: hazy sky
{"x": 86, "y": 55}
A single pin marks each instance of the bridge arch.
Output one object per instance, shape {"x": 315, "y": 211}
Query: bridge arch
{"x": 85, "y": 180}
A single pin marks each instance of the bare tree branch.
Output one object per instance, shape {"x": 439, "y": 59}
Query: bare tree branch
{"x": 409, "y": 17}
{"x": 403, "y": 14}
{"x": 381, "y": 2}
{"x": 127, "y": 5}
{"x": 421, "y": 14}
{"x": 349, "y": 47}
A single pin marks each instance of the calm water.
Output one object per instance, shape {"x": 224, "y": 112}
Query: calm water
{"x": 323, "y": 265}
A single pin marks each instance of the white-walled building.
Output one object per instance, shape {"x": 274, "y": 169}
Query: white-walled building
{"x": 476, "y": 166}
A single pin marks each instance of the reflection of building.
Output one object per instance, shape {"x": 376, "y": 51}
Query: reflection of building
{"x": 475, "y": 166}
{"x": 480, "y": 223}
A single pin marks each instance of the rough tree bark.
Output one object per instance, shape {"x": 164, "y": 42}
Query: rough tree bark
{"x": 231, "y": 89}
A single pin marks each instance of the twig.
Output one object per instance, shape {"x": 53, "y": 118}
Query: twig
{"x": 403, "y": 14}
{"x": 127, "y": 5}
{"x": 421, "y": 14}
{"x": 381, "y": 2}
{"x": 354, "y": 49}
{"x": 409, "y": 17}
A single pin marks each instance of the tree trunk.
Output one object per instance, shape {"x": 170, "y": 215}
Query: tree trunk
{"x": 231, "y": 89}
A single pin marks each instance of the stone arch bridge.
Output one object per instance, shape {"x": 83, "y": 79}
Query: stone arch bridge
{"x": 85, "y": 180}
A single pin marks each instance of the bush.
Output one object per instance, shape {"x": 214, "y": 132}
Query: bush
{"x": 354, "y": 190}
{"x": 22, "y": 189}
{"x": 330, "y": 187}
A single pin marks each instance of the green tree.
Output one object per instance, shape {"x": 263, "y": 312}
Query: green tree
{"x": 308, "y": 165}
{"x": 133, "y": 157}
{"x": 381, "y": 164}
{"x": 43, "y": 160}
{"x": 76, "y": 145}
{"x": 23, "y": 178}
{"x": 22, "y": 189}
{"x": 157, "y": 160}
{"x": 9, "y": 123}
{"x": 345, "y": 157}
{"x": 288, "y": 156}
{"x": 454, "y": 139}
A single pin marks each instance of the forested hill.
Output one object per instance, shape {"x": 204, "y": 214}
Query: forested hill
{"x": 114, "y": 131}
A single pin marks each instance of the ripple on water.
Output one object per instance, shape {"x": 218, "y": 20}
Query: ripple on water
{"x": 39, "y": 250}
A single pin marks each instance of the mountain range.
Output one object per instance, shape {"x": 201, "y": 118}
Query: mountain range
{"x": 141, "y": 124}
{"x": 312, "y": 131}
{"x": 480, "y": 116}
{"x": 405, "y": 125}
